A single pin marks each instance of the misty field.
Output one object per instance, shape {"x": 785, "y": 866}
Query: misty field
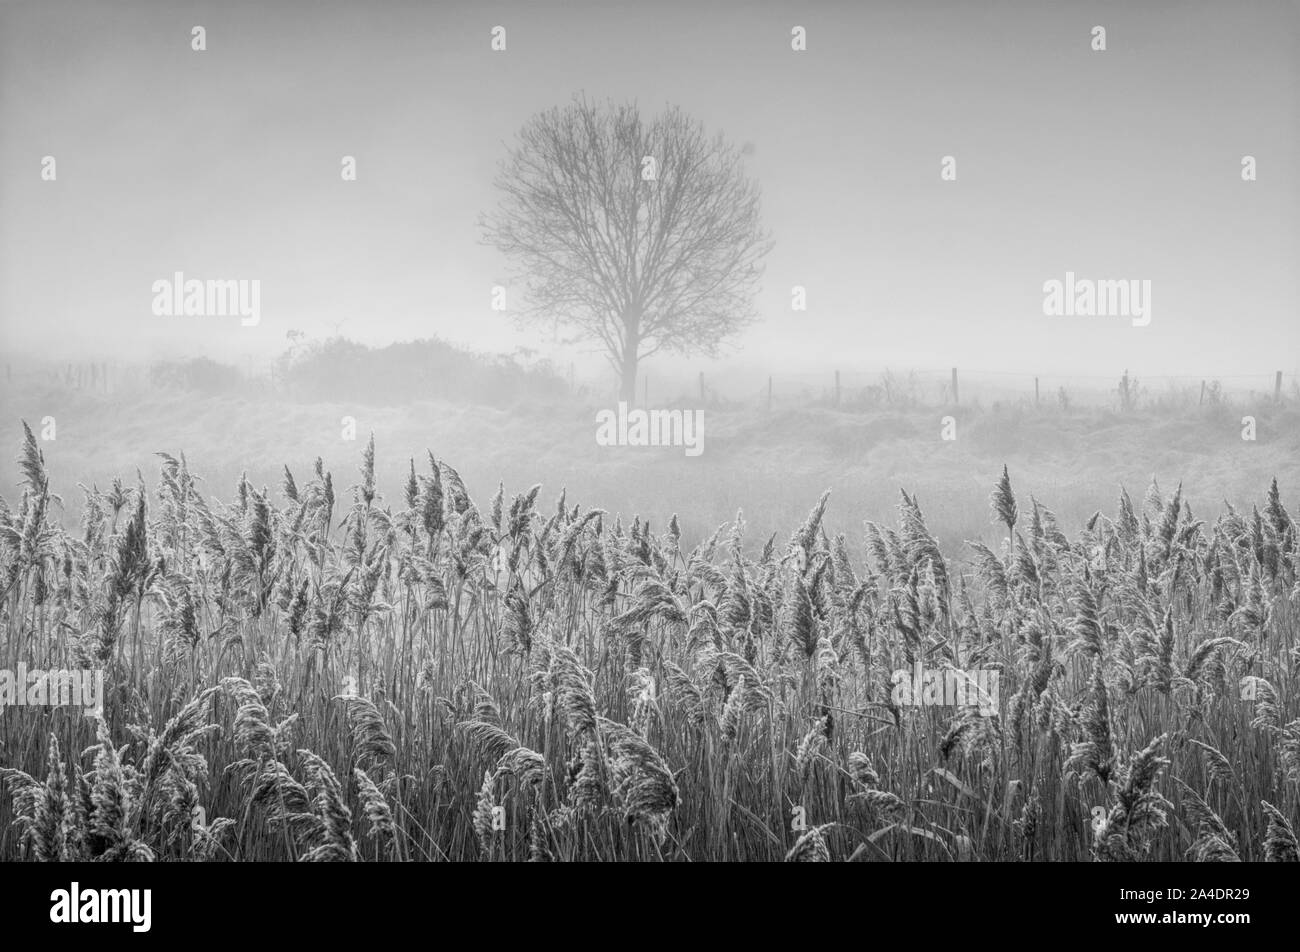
{"x": 772, "y": 464}
{"x": 325, "y": 672}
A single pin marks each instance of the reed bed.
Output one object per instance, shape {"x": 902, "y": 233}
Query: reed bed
{"x": 321, "y": 675}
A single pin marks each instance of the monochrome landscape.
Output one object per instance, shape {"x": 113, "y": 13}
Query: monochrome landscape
{"x": 601, "y": 432}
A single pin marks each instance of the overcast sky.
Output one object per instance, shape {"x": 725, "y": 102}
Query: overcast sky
{"x": 1124, "y": 164}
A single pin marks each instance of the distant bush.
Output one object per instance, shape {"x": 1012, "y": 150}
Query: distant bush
{"x": 199, "y": 373}
{"x": 341, "y": 369}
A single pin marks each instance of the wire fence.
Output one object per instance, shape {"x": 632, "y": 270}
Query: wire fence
{"x": 114, "y": 377}
{"x": 949, "y": 386}
{"x": 781, "y": 390}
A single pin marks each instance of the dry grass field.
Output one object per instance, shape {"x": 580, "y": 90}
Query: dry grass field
{"x": 336, "y": 669}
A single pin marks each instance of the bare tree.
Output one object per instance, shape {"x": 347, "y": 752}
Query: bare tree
{"x": 641, "y": 236}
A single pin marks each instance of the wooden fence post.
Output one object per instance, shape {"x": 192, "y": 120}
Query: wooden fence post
{"x": 1035, "y": 391}
{"x": 955, "y": 398}
{"x": 1201, "y": 402}
{"x": 1277, "y": 387}
{"x": 837, "y": 388}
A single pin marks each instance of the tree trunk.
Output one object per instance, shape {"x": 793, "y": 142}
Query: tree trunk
{"x": 631, "y": 350}
{"x": 627, "y": 380}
